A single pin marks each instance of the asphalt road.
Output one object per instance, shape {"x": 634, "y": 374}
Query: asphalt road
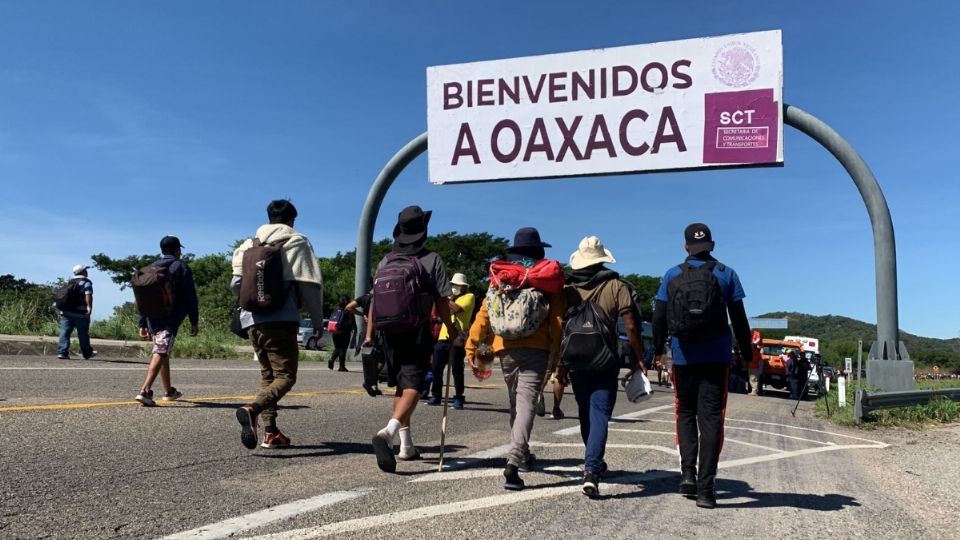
{"x": 80, "y": 459}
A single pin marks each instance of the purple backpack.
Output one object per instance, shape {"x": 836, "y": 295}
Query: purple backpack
{"x": 401, "y": 297}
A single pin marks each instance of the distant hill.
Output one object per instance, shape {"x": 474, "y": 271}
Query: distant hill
{"x": 839, "y": 335}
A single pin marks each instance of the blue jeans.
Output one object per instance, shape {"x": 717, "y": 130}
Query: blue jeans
{"x": 596, "y": 394}
{"x": 67, "y": 324}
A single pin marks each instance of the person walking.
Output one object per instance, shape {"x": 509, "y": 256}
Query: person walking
{"x": 595, "y": 388}
{"x": 372, "y": 356}
{"x": 75, "y": 305}
{"x": 409, "y": 281}
{"x": 296, "y": 280}
{"x": 341, "y": 338}
{"x": 461, "y": 306}
{"x": 692, "y": 304}
{"x": 526, "y": 357}
{"x": 163, "y": 330}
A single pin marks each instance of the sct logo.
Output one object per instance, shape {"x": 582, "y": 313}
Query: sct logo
{"x": 737, "y": 118}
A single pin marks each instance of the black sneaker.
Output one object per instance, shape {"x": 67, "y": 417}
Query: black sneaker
{"x": 248, "y": 426}
{"x": 63, "y": 356}
{"x": 527, "y": 465}
{"x": 603, "y": 469}
{"x": 688, "y": 482}
{"x": 706, "y": 498}
{"x": 591, "y": 484}
{"x": 558, "y": 414}
{"x": 92, "y": 354}
{"x": 511, "y": 478}
{"x": 383, "y": 448}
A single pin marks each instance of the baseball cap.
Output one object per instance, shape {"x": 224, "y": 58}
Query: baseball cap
{"x": 77, "y": 268}
{"x": 698, "y": 238}
{"x": 169, "y": 243}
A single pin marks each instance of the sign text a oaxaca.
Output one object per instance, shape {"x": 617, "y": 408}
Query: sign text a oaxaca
{"x": 695, "y": 103}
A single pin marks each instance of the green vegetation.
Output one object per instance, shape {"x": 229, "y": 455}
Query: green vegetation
{"x": 937, "y": 411}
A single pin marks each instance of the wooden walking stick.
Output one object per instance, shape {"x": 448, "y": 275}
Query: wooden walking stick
{"x": 446, "y": 401}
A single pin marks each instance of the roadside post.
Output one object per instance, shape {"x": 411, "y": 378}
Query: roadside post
{"x": 842, "y": 391}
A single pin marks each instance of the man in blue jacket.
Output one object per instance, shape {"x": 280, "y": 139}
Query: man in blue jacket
{"x": 692, "y": 306}
{"x": 163, "y": 331}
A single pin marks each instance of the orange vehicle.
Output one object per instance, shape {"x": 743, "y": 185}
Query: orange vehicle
{"x": 773, "y": 372}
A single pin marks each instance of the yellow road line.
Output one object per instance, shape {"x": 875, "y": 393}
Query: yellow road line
{"x": 198, "y": 400}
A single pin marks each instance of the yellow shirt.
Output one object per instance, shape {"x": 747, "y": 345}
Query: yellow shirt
{"x": 462, "y": 319}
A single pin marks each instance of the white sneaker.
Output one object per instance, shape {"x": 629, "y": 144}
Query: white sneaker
{"x": 146, "y": 399}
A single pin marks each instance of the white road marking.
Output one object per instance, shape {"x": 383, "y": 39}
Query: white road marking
{"x": 617, "y": 484}
{"x": 781, "y": 435}
{"x": 671, "y": 451}
{"x": 750, "y": 444}
{"x": 788, "y": 426}
{"x": 232, "y": 526}
{"x": 575, "y": 430}
{"x": 792, "y": 453}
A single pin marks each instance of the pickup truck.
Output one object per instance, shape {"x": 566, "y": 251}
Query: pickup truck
{"x": 772, "y": 370}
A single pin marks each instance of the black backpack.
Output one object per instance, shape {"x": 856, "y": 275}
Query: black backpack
{"x": 155, "y": 291}
{"x": 70, "y": 296}
{"x": 696, "y": 310}
{"x": 587, "y": 343}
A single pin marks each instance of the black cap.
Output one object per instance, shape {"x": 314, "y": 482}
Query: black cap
{"x": 168, "y": 244}
{"x": 698, "y": 238}
{"x": 525, "y": 238}
{"x": 411, "y": 225}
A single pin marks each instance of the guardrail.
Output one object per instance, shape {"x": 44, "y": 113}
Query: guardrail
{"x": 871, "y": 401}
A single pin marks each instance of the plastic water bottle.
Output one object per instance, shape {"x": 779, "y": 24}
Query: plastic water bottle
{"x": 484, "y": 362}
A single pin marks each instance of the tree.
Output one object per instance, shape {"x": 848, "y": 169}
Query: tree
{"x": 121, "y": 270}
{"x": 646, "y": 287}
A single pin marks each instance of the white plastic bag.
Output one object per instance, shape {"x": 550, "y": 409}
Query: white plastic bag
{"x": 638, "y": 387}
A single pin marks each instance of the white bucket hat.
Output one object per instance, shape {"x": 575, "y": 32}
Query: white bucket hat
{"x": 590, "y": 252}
{"x": 460, "y": 279}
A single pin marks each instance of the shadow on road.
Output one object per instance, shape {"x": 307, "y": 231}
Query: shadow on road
{"x": 730, "y": 493}
{"x": 234, "y": 405}
{"x": 328, "y": 449}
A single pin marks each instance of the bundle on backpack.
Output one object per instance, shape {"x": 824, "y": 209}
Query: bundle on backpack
{"x": 545, "y": 275}
{"x": 516, "y": 309}
{"x": 588, "y": 343}
{"x": 262, "y": 288}
{"x": 336, "y": 321}
{"x": 697, "y": 310}
{"x": 401, "y": 294}
{"x": 70, "y": 296}
{"x": 154, "y": 291}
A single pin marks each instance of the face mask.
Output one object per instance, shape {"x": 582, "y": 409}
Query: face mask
{"x": 455, "y": 290}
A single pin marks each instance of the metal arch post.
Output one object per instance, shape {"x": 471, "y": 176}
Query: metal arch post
{"x": 885, "y": 250}
{"x": 371, "y": 208}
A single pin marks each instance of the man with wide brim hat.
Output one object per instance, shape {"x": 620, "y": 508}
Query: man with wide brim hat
{"x": 590, "y": 252}
{"x": 410, "y": 232}
{"x": 593, "y": 371}
{"x": 524, "y": 358}
{"x": 407, "y": 350}
{"x": 527, "y": 243}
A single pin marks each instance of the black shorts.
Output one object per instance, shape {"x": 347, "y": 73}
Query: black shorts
{"x": 408, "y": 355}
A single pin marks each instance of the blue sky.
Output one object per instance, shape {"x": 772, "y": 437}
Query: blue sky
{"x": 124, "y": 121}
